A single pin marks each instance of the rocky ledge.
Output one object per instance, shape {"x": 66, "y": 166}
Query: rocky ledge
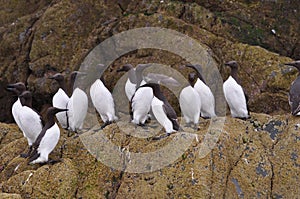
{"x": 255, "y": 158}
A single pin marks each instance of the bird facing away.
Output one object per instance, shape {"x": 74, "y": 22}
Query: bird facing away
{"x": 30, "y": 120}
{"x": 190, "y": 102}
{"x": 78, "y": 105}
{"x": 61, "y": 100}
{"x": 294, "y": 93}
{"x": 18, "y": 89}
{"x": 47, "y": 139}
{"x": 103, "y": 102}
{"x": 234, "y": 93}
{"x": 206, "y": 96}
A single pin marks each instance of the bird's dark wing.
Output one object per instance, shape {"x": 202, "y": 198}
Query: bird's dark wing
{"x": 130, "y": 107}
{"x": 34, "y": 154}
{"x": 171, "y": 114}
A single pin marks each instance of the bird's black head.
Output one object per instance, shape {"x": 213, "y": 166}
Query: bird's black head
{"x": 17, "y": 88}
{"x": 192, "y": 77}
{"x": 26, "y": 98}
{"x": 232, "y": 65}
{"x": 51, "y": 111}
{"x": 125, "y": 68}
{"x": 26, "y": 95}
{"x": 295, "y": 64}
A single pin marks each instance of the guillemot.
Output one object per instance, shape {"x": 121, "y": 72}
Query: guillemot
{"x": 47, "y": 138}
{"x": 234, "y": 93}
{"x": 135, "y": 78}
{"x": 190, "y": 102}
{"x": 103, "y": 102}
{"x": 61, "y": 100}
{"x": 206, "y": 96}
{"x": 17, "y": 88}
{"x": 78, "y": 104}
{"x": 30, "y": 120}
{"x": 162, "y": 110}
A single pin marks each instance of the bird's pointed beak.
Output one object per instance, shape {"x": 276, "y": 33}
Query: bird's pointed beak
{"x": 61, "y": 110}
{"x": 290, "y": 64}
{"x": 51, "y": 77}
{"x": 11, "y": 87}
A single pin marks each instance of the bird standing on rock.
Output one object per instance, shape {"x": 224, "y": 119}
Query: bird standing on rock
{"x": 206, "y": 96}
{"x": 47, "y": 138}
{"x": 190, "y": 102}
{"x": 140, "y": 102}
{"x": 135, "y": 78}
{"x": 234, "y": 93}
{"x": 103, "y": 102}
{"x": 294, "y": 93}
{"x": 18, "y": 89}
{"x": 61, "y": 100}
{"x": 162, "y": 110}
{"x": 78, "y": 104}
{"x": 30, "y": 120}
{"x": 130, "y": 85}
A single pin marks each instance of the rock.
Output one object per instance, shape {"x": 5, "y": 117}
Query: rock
{"x": 58, "y": 180}
{"x": 253, "y": 158}
{"x": 10, "y": 196}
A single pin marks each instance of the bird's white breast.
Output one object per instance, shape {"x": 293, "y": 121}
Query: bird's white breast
{"x": 235, "y": 98}
{"x": 190, "y": 104}
{"x": 103, "y": 101}
{"x": 77, "y": 109}
{"x": 207, "y": 99}
{"x": 141, "y": 103}
{"x": 160, "y": 115}
{"x": 61, "y": 100}
{"x": 31, "y": 124}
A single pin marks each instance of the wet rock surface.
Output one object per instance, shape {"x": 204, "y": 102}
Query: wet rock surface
{"x": 253, "y": 158}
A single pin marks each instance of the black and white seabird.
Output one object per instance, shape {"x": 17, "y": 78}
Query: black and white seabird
{"x": 18, "y": 89}
{"x": 135, "y": 78}
{"x": 294, "y": 93}
{"x": 141, "y": 105}
{"x": 78, "y": 105}
{"x": 234, "y": 93}
{"x": 190, "y": 102}
{"x": 30, "y": 120}
{"x": 130, "y": 85}
{"x": 162, "y": 110}
{"x": 140, "y": 102}
{"x": 206, "y": 96}
{"x": 103, "y": 102}
{"x": 47, "y": 138}
{"x": 61, "y": 100}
